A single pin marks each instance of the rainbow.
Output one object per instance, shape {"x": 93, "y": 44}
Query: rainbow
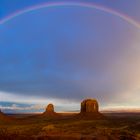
{"x": 58, "y": 4}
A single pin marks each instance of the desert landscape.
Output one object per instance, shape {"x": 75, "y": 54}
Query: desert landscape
{"x": 69, "y": 69}
{"x": 89, "y": 124}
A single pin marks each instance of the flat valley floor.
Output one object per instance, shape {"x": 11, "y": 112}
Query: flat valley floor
{"x": 115, "y": 126}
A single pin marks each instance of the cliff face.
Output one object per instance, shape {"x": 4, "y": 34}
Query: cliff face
{"x": 49, "y": 112}
{"x": 90, "y": 109}
{"x": 5, "y": 118}
{"x": 50, "y": 108}
{"x": 89, "y": 105}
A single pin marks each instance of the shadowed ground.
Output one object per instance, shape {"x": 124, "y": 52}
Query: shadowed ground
{"x": 121, "y": 126}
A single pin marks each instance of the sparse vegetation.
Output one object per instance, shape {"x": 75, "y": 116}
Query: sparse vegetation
{"x": 41, "y": 128}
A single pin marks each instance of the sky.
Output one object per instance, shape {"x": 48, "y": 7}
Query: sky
{"x": 63, "y": 52}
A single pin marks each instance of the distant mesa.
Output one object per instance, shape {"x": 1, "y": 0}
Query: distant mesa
{"x": 5, "y": 118}
{"x": 49, "y": 112}
{"x": 50, "y": 108}
{"x": 89, "y": 106}
{"x": 90, "y": 109}
{"x": 1, "y": 113}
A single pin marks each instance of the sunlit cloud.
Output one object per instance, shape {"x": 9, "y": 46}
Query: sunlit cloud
{"x": 31, "y": 103}
{"x": 17, "y": 107}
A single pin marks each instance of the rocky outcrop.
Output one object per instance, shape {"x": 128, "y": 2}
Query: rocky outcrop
{"x": 50, "y": 108}
{"x": 89, "y": 105}
{"x": 4, "y": 117}
{"x": 90, "y": 109}
{"x": 49, "y": 112}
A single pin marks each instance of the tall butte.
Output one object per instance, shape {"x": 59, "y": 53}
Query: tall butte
{"x": 49, "y": 112}
{"x": 90, "y": 109}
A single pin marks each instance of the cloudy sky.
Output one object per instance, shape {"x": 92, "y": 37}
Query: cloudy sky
{"x": 63, "y": 52}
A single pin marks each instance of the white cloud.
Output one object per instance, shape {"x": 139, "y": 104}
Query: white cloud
{"x": 11, "y": 97}
{"x": 37, "y": 103}
{"x": 17, "y": 107}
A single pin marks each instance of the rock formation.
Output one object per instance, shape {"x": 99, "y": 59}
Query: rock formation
{"x": 89, "y": 105}
{"x": 2, "y": 114}
{"x": 50, "y": 108}
{"x": 90, "y": 109}
{"x": 5, "y": 118}
{"x": 50, "y": 113}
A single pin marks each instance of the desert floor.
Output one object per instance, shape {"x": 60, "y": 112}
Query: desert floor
{"x": 115, "y": 126}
